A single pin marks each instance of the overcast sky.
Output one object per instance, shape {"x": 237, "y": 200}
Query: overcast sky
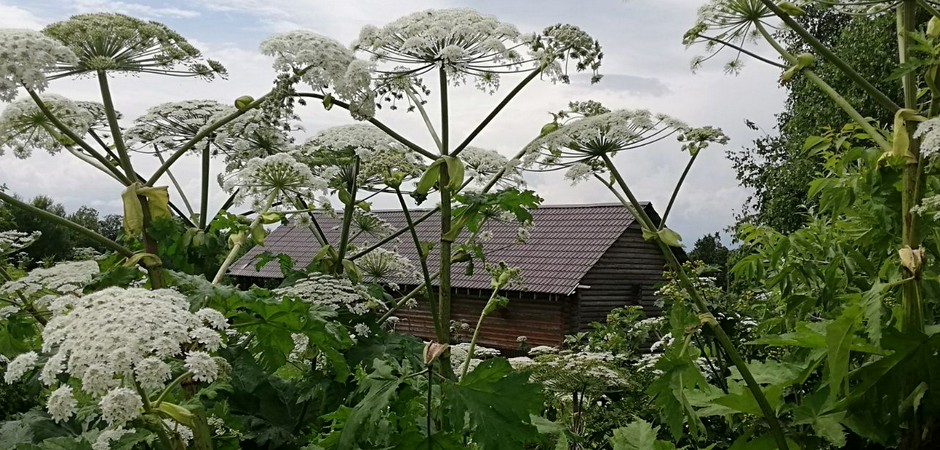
{"x": 645, "y": 66}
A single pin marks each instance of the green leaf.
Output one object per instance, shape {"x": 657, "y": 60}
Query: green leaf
{"x": 427, "y": 181}
{"x": 455, "y": 171}
{"x": 638, "y": 435}
{"x": 839, "y": 337}
{"x": 176, "y": 412}
{"x": 381, "y": 386}
{"x": 495, "y": 403}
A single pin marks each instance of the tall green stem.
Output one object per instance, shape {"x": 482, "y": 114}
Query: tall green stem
{"x": 699, "y": 301}
{"x": 116, "y": 134}
{"x": 230, "y": 258}
{"x": 675, "y": 192}
{"x": 204, "y": 200}
{"x": 352, "y": 187}
{"x": 476, "y": 335}
{"x": 444, "y": 294}
{"x": 423, "y": 259}
{"x": 863, "y": 83}
{"x": 57, "y": 220}
{"x": 911, "y": 293}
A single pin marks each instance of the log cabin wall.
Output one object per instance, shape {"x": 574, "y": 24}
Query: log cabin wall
{"x": 539, "y": 317}
{"x": 627, "y": 274}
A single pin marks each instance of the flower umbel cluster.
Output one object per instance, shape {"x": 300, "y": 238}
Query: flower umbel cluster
{"x": 379, "y": 155}
{"x": 114, "y": 338}
{"x": 462, "y": 42}
{"x": 483, "y": 165}
{"x": 24, "y": 127}
{"x": 278, "y": 175}
{"x": 27, "y": 56}
{"x": 381, "y": 265}
{"x": 63, "y": 278}
{"x": 171, "y": 125}
{"x": 580, "y": 144}
{"x": 12, "y": 241}
{"x": 118, "y": 43}
{"x": 338, "y": 294}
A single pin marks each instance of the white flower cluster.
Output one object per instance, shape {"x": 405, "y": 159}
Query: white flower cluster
{"x": 280, "y": 175}
{"x": 25, "y": 59}
{"x": 461, "y": 41}
{"x": 12, "y": 241}
{"x": 172, "y": 124}
{"x": 324, "y": 63}
{"x": 482, "y": 165}
{"x": 252, "y": 135}
{"x": 731, "y": 22}
{"x": 579, "y": 144}
{"x": 379, "y": 265}
{"x": 568, "y": 371}
{"x": 24, "y": 127}
{"x": 336, "y": 293}
{"x": 108, "y": 337}
{"x": 927, "y": 206}
{"x": 378, "y": 153}
{"x": 929, "y": 134}
{"x": 365, "y": 222}
{"x": 62, "y": 278}
{"x": 458, "y": 354}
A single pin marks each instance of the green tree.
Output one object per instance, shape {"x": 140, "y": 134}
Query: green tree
{"x": 55, "y": 242}
{"x": 775, "y": 166}
{"x": 709, "y": 250}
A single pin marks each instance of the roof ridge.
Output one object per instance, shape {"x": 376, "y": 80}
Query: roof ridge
{"x": 553, "y": 206}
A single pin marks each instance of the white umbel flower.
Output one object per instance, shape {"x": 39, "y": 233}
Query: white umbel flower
{"x": 212, "y": 318}
{"x": 483, "y": 165}
{"x": 63, "y": 278}
{"x": 171, "y": 125}
{"x": 24, "y": 127}
{"x": 461, "y": 41}
{"x": 19, "y": 366}
{"x": 929, "y": 134}
{"x": 381, "y": 265}
{"x": 12, "y": 241}
{"x": 107, "y": 436}
{"x": 120, "y": 405}
{"x": 61, "y": 404}
{"x": 335, "y": 293}
{"x": 279, "y": 174}
{"x": 378, "y": 153}
{"x": 202, "y": 366}
{"x": 27, "y": 56}
{"x": 107, "y": 335}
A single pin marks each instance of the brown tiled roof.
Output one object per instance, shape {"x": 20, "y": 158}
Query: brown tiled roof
{"x": 565, "y": 242}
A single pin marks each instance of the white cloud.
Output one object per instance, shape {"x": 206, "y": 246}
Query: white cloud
{"x": 16, "y": 17}
{"x": 140, "y": 10}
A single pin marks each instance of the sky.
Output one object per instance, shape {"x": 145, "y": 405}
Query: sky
{"x": 645, "y": 66}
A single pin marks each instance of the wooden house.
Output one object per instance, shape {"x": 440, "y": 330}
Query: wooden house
{"x": 578, "y": 263}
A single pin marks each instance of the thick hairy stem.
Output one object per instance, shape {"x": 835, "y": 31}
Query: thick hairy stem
{"x": 423, "y": 259}
{"x": 73, "y": 136}
{"x": 401, "y": 139}
{"x": 476, "y": 335}
{"x": 204, "y": 198}
{"x": 230, "y": 258}
{"x": 155, "y": 273}
{"x": 767, "y": 411}
{"x": 116, "y": 134}
{"x": 911, "y": 293}
{"x": 57, "y": 220}
{"x": 821, "y": 84}
{"x": 492, "y": 115}
{"x": 675, "y": 192}
{"x": 875, "y": 94}
{"x": 350, "y": 206}
{"x": 444, "y": 294}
